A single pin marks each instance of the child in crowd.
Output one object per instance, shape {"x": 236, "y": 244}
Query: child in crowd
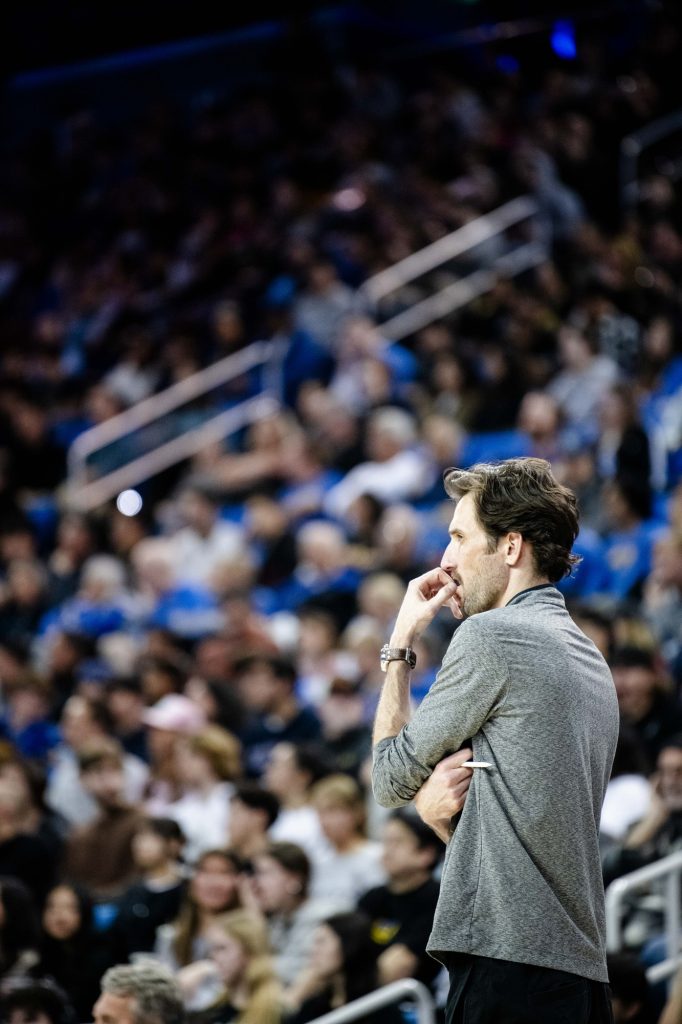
{"x": 155, "y": 899}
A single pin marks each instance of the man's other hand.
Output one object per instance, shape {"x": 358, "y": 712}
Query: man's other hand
{"x": 444, "y": 792}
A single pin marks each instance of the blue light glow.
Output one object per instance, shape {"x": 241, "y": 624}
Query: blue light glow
{"x": 563, "y": 40}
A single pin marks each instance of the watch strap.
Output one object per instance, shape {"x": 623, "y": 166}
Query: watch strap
{"x": 389, "y": 654}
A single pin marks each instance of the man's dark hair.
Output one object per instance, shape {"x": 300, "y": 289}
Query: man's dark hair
{"x": 426, "y": 838}
{"x": 281, "y": 668}
{"x": 258, "y": 799}
{"x": 310, "y": 758}
{"x": 523, "y": 496}
{"x": 165, "y": 828}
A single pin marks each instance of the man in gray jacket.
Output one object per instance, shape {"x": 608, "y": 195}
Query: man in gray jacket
{"x": 520, "y": 918}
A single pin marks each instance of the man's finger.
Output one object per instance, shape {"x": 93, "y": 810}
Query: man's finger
{"x": 456, "y": 760}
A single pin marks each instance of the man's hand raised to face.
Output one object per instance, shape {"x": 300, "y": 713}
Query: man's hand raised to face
{"x": 444, "y": 792}
{"x": 425, "y": 596}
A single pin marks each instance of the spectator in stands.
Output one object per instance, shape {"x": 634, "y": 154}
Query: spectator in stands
{"x": 39, "y": 1001}
{"x": 253, "y": 812}
{"x": 584, "y": 378}
{"x": 241, "y": 967}
{"x": 281, "y": 887}
{"x": 19, "y": 930}
{"x": 83, "y": 723}
{"x": 140, "y": 993}
{"x": 123, "y": 700}
{"x": 266, "y": 685}
{"x": 396, "y": 471}
{"x": 99, "y": 855}
{"x": 172, "y": 718}
{"x": 341, "y": 968}
{"x": 628, "y": 793}
{"x": 23, "y": 855}
{"x": 27, "y": 779}
{"x": 26, "y": 719}
{"x": 643, "y": 701}
{"x": 346, "y": 734}
{"x": 166, "y": 600}
{"x": 402, "y": 911}
{"x": 324, "y": 304}
{"x": 70, "y": 952}
{"x": 207, "y": 766}
{"x": 204, "y": 540}
{"x": 631, "y": 997}
{"x": 23, "y": 599}
{"x": 662, "y": 599}
{"x": 323, "y": 575}
{"x": 291, "y": 771}
{"x": 155, "y": 899}
{"x": 213, "y": 889}
{"x": 352, "y": 865}
{"x": 100, "y": 605}
{"x": 628, "y": 536}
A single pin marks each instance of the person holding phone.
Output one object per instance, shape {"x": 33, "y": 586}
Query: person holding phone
{"x": 520, "y": 920}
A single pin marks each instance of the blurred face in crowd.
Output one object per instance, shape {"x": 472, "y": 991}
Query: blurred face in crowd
{"x": 227, "y": 954}
{"x": 669, "y": 767}
{"x": 150, "y": 850}
{"x": 261, "y": 690}
{"x": 340, "y": 824}
{"x": 105, "y": 782}
{"x": 194, "y": 768}
{"x": 402, "y": 856}
{"x": 635, "y": 689}
{"x": 326, "y": 957}
{"x": 245, "y": 822}
{"x": 282, "y": 775}
{"x": 277, "y": 890}
{"x": 215, "y": 884}
{"x": 62, "y": 913}
{"x": 18, "y": 1015}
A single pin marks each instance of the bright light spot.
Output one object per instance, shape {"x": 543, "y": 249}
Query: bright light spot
{"x": 563, "y": 40}
{"x": 129, "y": 503}
{"x": 349, "y": 199}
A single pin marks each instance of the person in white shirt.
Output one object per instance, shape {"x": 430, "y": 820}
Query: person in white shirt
{"x": 205, "y": 540}
{"x": 207, "y": 764}
{"x": 353, "y": 864}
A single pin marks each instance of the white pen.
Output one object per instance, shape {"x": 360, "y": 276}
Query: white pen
{"x": 476, "y": 764}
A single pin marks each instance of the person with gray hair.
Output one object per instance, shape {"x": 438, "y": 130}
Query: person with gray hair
{"x": 396, "y": 471}
{"x": 141, "y": 993}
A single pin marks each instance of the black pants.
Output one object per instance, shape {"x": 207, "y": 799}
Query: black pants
{"x": 487, "y": 991}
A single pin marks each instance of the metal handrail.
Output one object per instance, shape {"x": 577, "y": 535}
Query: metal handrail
{"x": 632, "y": 147}
{"x": 461, "y": 292}
{"x": 483, "y": 228}
{"x": 670, "y": 868}
{"x": 163, "y": 402}
{"x": 406, "y": 988}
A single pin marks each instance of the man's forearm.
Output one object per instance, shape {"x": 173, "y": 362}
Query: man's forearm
{"x": 393, "y": 711}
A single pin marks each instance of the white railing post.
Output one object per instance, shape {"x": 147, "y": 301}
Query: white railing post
{"x": 406, "y": 988}
{"x": 631, "y": 148}
{"x": 668, "y": 868}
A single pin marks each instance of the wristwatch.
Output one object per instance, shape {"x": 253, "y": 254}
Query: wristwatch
{"x": 389, "y": 654}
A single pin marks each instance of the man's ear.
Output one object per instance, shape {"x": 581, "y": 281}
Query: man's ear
{"x": 513, "y": 548}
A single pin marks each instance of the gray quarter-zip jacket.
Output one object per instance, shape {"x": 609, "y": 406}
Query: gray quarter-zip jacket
{"x": 522, "y": 878}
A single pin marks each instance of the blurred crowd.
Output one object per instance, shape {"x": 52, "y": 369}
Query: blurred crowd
{"x": 186, "y": 694}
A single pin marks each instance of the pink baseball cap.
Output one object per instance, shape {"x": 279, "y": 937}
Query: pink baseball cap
{"x": 175, "y": 713}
